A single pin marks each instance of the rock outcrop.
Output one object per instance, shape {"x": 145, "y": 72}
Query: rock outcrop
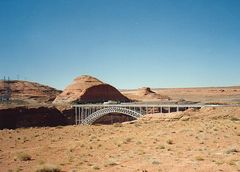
{"x": 25, "y": 92}
{"x": 145, "y": 94}
{"x": 17, "y": 117}
{"x": 87, "y": 89}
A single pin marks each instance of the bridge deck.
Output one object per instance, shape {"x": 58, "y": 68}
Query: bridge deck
{"x": 143, "y": 105}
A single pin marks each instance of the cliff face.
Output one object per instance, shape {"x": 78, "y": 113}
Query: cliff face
{"x": 32, "y": 117}
{"x": 87, "y": 89}
{"x": 28, "y": 92}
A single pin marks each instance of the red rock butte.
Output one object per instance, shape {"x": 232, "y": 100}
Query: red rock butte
{"x": 30, "y": 92}
{"x": 87, "y": 89}
{"x": 147, "y": 93}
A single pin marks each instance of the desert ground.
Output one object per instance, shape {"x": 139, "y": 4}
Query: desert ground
{"x": 195, "y": 140}
{"x": 203, "y": 140}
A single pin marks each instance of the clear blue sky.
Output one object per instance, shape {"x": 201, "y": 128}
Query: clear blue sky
{"x": 127, "y": 43}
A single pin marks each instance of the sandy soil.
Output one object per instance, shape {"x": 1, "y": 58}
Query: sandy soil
{"x": 204, "y": 140}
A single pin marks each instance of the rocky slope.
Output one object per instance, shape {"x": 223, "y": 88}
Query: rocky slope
{"x": 22, "y": 116}
{"x": 87, "y": 89}
{"x": 25, "y": 92}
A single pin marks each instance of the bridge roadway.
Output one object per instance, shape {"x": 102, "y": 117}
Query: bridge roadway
{"x": 89, "y": 113}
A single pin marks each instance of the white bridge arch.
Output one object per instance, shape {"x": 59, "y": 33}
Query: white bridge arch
{"x": 102, "y": 112}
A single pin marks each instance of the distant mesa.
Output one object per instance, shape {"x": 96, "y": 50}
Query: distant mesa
{"x": 87, "y": 89}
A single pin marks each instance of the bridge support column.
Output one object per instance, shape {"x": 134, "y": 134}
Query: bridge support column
{"x": 141, "y": 111}
{"x": 82, "y": 113}
{"x": 90, "y": 111}
{"x": 76, "y": 113}
{"x": 79, "y": 116}
{"x": 85, "y": 113}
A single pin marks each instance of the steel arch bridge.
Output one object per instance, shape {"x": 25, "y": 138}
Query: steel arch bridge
{"x": 89, "y": 113}
{"x": 102, "y": 112}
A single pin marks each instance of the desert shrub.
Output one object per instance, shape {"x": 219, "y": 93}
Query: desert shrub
{"x": 127, "y": 140}
{"x": 199, "y": 158}
{"x": 18, "y": 170}
{"x": 112, "y": 163}
{"x": 59, "y": 127}
{"x": 233, "y": 118}
{"x": 161, "y": 147}
{"x": 232, "y": 162}
{"x": 155, "y": 162}
{"x": 231, "y": 150}
{"x": 41, "y": 162}
{"x": 219, "y": 162}
{"x": 23, "y": 156}
{"x": 141, "y": 152}
{"x": 96, "y": 168}
{"x": 48, "y": 168}
{"x": 117, "y": 124}
{"x": 137, "y": 124}
{"x": 169, "y": 141}
{"x": 139, "y": 142}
